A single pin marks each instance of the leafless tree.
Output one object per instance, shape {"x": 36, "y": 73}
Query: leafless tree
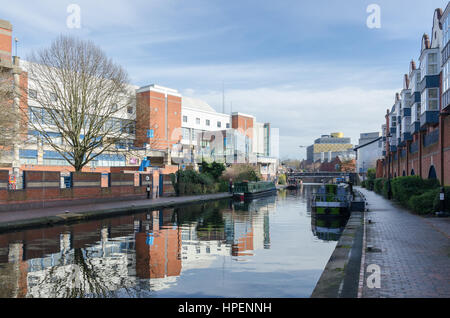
{"x": 78, "y": 99}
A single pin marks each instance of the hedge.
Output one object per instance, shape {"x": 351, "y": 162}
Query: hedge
{"x": 378, "y": 185}
{"x": 413, "y": 192}
{"x": 424, "y": 203}
{"x": 403, "y": 188}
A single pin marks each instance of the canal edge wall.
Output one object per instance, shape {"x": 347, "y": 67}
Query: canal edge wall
{"x": 89, "y": 212}
{"x": 341, "y": 277}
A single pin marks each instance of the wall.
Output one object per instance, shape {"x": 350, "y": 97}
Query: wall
{"x": 42, "y": 189}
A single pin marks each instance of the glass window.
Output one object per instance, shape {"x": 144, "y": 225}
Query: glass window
{"x": 32, "y": 93}
{"x": 433, "y": 99}
{"x": 185, "y": 132}
{"x": 53, "y": 97}
{"x": 207, "y": 122}
{"x": 432, "y": 64}
{"x": 228, "y": 125}
{"x": 219, "y": 124}
{"x": 197, "y": 121}
{"x": 184, "y": 119}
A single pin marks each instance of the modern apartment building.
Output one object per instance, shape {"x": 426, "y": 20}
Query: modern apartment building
{"x": 368, "y": 151}
{"x": 161, "y": 124}
{"x": 416, "y": 133}
{"x": 328, "y": 147}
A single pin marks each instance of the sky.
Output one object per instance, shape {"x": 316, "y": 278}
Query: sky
{"x": 307, "y": 67}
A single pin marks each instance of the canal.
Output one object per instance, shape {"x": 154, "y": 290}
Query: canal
{"x": 270, "y": 247}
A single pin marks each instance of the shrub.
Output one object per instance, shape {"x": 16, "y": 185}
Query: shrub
{"x": 282, "y": 179}
{"x": 370, "y": 184}
{"x": 404, "y": 188}
{"x": 214, "y": 169}
{"x": 242, "y": 172}
{"x": 423, "y": 203}
{"x": 378, "y": 185}
{"x": 371, "y": 174}
{"x": 192, "y": 182}
{"x": 386, "y": 186}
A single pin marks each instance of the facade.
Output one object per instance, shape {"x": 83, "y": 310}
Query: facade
{"x": 162, "y": 125}
{"x": 328, "y": 147}
{"x": 368, "y": 151}
{"x": 416, "y": 134}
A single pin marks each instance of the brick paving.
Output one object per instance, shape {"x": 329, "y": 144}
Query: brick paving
{"x": 413, "y": 252}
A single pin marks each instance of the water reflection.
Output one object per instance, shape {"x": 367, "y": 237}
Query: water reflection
{"x": 184, "y": 251}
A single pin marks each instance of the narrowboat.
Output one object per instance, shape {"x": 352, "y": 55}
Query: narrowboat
{"x": 249, "y": 190}
{"x": 293, "y": 183}
{"x": 332, "y": 199}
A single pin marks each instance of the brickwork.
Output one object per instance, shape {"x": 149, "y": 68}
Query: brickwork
{"x": 411, "y": 251}
{"x": 168, "y": 189}
{"x": 244, "y": 124}
{"x": 153, "y": 108}
{"x": 5, "y": 40}
{"x": 46, "y": 186}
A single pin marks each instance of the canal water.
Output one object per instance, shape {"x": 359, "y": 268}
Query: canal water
{"x": 270, "y": 247}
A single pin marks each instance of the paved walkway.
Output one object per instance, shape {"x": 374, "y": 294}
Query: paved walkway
{"x": 17, "y": 219}
{"x": 413, "y": 252}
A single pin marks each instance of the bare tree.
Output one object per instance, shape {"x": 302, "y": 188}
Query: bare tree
{"x": 77, "y": 100}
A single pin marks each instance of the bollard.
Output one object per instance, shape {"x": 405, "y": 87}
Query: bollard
{"x": 148, "y": 191}
{"x": 442, "y": 202}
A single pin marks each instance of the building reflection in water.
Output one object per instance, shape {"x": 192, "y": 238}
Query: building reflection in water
{"x": 130, "y": 256}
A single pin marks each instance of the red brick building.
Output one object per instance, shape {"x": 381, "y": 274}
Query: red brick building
{"x": 417, "y": 129}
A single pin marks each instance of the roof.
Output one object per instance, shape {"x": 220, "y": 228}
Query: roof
{"x": 196, "y": 104}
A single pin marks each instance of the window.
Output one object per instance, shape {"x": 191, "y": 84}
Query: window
{"x": 197, "y": 121}
{"x": 228, "y": 125}
{"x": 433, "y": 99}
{"x": 184, "y": 119}
{"x": 208, "y": 122}
{"x": 130, "y": 109}
{"x": 432, "y": 64}
{"x": 32, "y": 93}
{"x": 114, "y": 107}
{"x": 185, "y": 132}
{"x": 53, "y": 97}
{"x": 219, "y": 124}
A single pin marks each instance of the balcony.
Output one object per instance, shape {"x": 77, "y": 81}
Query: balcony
{"x": 393, "y": 130}
{"x": 393, "y": 148}
{"x": 415, "y": 127}
{"x": 416, "y": 98}
{"x": 429, "y": 117}
{"x": 414, "y": 147}
{"x": 406, "y": 112}
{"x": 429, "y": 81}
{"x": 406, "y": 136}
{"x": 431, "y": 138}
{"x": 446, "y": 100}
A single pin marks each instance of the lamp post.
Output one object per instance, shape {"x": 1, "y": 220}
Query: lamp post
{"x": 389, "y": 193}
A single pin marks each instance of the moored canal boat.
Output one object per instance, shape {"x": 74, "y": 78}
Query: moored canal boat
{"x": 332, "y": 199}
{"x": 249, "y": 190}
{"x": 293, "y": 183}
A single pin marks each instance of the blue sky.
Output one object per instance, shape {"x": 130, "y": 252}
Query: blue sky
{"x": 308, "y": 67}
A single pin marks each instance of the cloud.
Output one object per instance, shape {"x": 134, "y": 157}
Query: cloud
{"x": 304, "y": 114}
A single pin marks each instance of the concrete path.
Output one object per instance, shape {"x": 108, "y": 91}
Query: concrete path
{"x": 413, "y": 252}
{"x": 19, "y": 219}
